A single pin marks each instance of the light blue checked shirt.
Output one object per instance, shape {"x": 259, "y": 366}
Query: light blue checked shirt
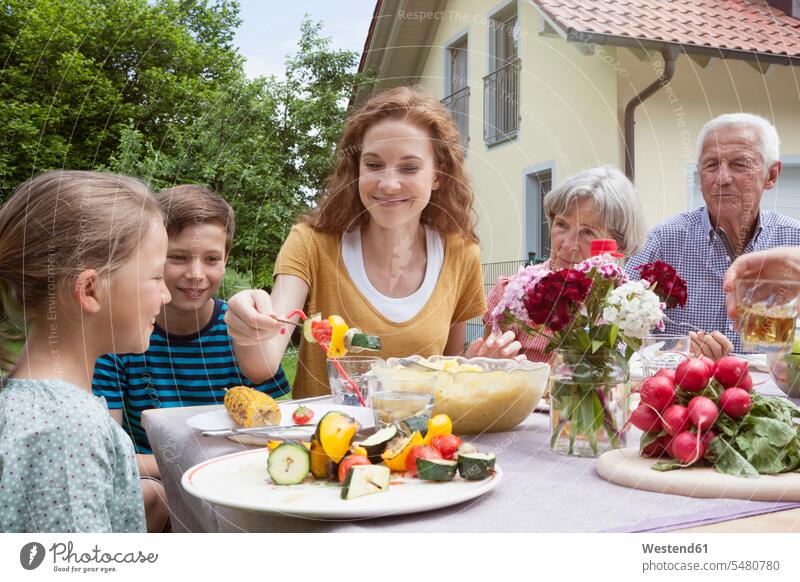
{"x": 689, "y": 243}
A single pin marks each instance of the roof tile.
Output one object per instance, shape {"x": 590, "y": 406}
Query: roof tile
{"x": 748, "y": 25}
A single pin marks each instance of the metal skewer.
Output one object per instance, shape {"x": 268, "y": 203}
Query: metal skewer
{"x": 297, "y": 323}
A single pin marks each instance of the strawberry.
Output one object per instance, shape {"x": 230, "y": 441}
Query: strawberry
{"x": 302, "y": 415}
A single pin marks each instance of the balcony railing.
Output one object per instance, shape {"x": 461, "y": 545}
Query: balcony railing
{"x": 501, "y": 103}
{"x": 458, "y": 105}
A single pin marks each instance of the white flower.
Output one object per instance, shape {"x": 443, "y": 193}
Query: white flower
{"x": 634, "y": 309}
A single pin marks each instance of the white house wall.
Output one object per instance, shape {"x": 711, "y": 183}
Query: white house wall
{"x": 668, "y": 122}
{"x": 572, "y": 106}
{"x": 568, "y": 116}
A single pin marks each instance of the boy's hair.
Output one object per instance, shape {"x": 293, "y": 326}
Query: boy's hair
{"x": 190, "y": 204}
{"x": 60, "y": 223}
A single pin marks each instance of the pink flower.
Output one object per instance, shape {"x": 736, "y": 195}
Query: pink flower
{"x": 606, "y": 266}
{"x": 517, "y": 288}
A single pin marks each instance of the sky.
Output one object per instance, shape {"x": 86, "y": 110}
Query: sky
{"x": 267, "y": 34}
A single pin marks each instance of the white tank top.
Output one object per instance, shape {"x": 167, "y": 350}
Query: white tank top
{"x": 396, "y": 309}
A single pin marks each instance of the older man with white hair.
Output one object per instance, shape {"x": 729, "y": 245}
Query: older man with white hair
{"x": 737, "y": 160}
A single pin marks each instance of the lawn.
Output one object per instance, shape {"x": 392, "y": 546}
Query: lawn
{"x": 289, "y": 364}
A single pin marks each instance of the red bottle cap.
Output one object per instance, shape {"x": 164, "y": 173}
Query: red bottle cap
{"x": 603, "y": 245}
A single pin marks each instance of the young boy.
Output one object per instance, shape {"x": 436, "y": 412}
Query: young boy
{"x": 190, "y": 361}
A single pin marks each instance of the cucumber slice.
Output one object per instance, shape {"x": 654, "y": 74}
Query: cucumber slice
{"x": 476, "y": 466}
{"x": 289, "y": 464}
{"x": 467, "y": 449}
{"x": 376, "y": 444}
{"x": 307, "y": 327}
{"x": 365, "y": 480}
{"x": 358, "y": 341}
{"x": 436, "y": 469}
{"x": 416, "y": 423}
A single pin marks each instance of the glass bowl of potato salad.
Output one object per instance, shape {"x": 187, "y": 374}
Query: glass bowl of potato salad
{"x": 478, "y": 394}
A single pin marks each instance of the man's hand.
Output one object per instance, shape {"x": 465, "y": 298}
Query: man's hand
{"x": 781, "y": 263}
{"x": 496, "y": 346}
{"x": 713, "y": 345}
{"x": 250, "y": 318}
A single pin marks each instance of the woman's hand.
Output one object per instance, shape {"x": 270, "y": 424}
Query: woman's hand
{"x": 713, "y": 345}
{"x": 259, "y": 340}
{"x": 496, "y": 346}
{"x": 250, "y": 318}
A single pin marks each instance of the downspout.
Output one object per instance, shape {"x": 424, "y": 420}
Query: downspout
{"x": 670, "y": 55}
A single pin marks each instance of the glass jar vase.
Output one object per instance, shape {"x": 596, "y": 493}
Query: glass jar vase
{"x": 588, "y": 402}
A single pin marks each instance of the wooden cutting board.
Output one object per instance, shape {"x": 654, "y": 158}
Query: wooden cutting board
{"x": 626, "y": 467}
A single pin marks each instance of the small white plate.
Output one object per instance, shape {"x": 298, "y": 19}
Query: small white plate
{"x": 756, "y": 362}
{"x": 220, "y": 418}
{"x": 240, "y": 481}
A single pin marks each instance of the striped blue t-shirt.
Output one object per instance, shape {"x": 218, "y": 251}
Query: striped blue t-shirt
{"x": 189, "y": 370}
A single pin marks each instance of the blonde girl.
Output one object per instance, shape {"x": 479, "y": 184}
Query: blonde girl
{"x": 81, "y": 263}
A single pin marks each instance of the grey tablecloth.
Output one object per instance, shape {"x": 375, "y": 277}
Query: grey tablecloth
{"x": 540, "y": 492}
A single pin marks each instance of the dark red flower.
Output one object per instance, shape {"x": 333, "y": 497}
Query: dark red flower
{"x": 555, "y": 299}
{"x": 670, "y": 287}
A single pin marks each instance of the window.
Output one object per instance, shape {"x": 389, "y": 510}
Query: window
{"x": 537, "y": 230}
{"x": 783, "y": 198}
{"x": 457, "y": 87}
{"x": 504, "y": 31}
{"x": 501, "y": 85}
{"x": 457, "y": 57}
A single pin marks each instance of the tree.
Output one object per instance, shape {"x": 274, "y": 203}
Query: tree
{"x": 76, "y": 72}
{"x": 265, "y": 145}
{"x": 156, "y": 89}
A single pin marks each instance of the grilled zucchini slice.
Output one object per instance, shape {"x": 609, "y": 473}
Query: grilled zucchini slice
{"x": 365, "y": 480}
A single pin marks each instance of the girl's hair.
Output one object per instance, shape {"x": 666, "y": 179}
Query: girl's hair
{"x": 190, "y": 204}
{"x": 62, "y": 222}
{"x": 451, "y": 206}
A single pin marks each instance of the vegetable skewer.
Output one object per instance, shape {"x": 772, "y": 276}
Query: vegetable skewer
{"x": 353, "y": 387}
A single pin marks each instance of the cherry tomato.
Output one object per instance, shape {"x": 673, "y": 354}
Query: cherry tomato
{"x": 420, "y": 452}
{"x": 302, "y": 415}
{"x": 447, "y": 444}
{"x": 350, "y": 461}
{"x": 321, "y": 331}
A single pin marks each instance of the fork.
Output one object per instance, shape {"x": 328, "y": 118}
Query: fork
{"x": 689, "y": 325}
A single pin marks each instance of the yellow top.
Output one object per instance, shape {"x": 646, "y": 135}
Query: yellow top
{"x": 316, "y": 258}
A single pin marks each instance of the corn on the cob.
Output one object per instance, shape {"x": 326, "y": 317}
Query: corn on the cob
{"x": 249, "y": 407}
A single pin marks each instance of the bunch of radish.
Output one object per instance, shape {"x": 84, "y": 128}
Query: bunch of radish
{"x": 679, "y": 407}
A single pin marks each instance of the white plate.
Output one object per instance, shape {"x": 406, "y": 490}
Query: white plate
{"x": 240, "y": 481}
{"x": 221, "y": 419}
{"x": 756, "y": 362}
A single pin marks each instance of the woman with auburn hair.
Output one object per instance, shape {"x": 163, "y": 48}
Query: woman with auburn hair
{"x": 391, "y": 248}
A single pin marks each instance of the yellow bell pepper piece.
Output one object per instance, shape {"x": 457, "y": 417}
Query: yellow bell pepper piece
{"x": 339, "y": 328}
{"x": 398, "y": 462}
{"x": 439, "y": 425}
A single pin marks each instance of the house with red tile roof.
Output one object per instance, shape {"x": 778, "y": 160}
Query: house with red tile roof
{"x": 542, "y": 89}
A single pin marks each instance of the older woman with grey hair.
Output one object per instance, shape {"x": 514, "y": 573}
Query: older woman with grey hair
{"x": 599, "y": 203}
